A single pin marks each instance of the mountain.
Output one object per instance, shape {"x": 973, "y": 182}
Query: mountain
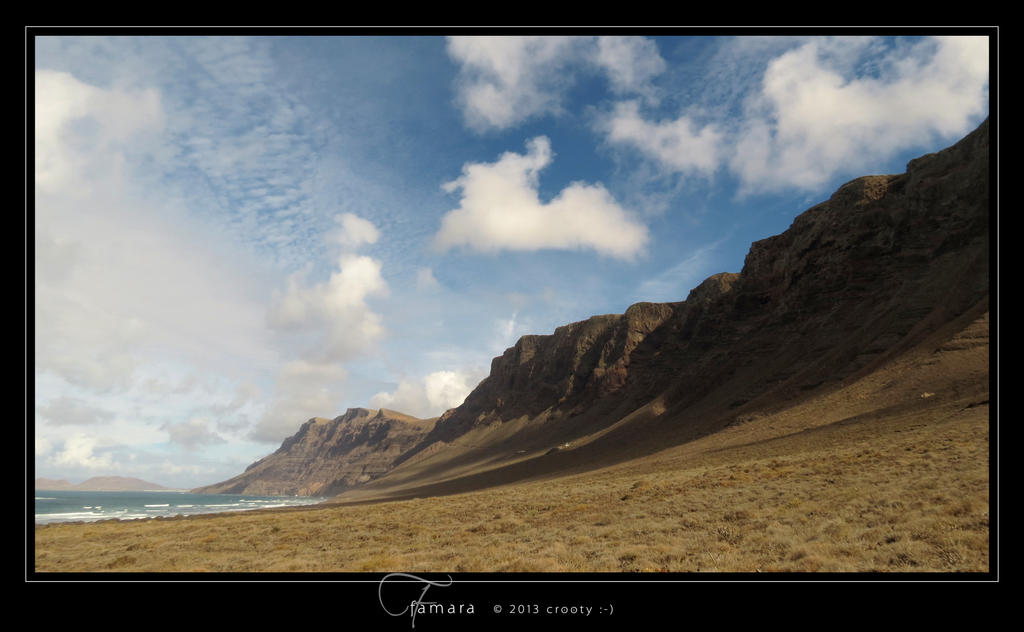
{"x": 889, "y": 267}
{"x": 857, "y": 280}
{"x": 100, "y": 484}
{"x": 327, "y": 456}
{"x": 52, "y": 484}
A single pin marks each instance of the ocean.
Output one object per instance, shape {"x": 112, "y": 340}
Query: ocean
{"x": 68, "y": 506}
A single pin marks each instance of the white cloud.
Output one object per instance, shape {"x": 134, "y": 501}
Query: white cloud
{"x": 335, "y": 310}
{"x": 114, "y": 274}
{"x": 131, "y": 282}
{"x": 354, "y": 232}
{"x": 815, "y": 108}
{"x": 75, "y": 121}
{"x": 43, "y": 446}
{"x": 78, "y": 452}
{"x": 678, "y": 145}
{"x": 817, "y": 120}
{"x": 500, "y": 209}
{"x": 504, "y": 80}
{"x": 631, "y": 63}
{"x": 430, "y": 395}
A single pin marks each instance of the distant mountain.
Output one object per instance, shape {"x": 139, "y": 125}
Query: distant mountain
{"x": 101, "y": 484}
{"x": 328, "y": 456}
{"x": 53, "y": 484}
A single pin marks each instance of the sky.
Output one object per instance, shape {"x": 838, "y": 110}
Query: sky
{"x": 233, "y": 234}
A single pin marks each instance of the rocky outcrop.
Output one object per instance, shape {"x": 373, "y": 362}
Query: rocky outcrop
{"x": 327, "y": 456}
{"x": 852, "y": 282}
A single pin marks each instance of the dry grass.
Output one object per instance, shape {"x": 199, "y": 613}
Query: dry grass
{"x": 872, "y": 477}
{"x": 917, "y": 501}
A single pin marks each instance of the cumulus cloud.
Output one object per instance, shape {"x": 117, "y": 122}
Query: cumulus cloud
{"x": 43, "y": 446}
{"x": 679, "y": 145}
{"x": 335, "y": 320}
{"x": 811, "y": 119}
{"x": 79, "y": 452}
{"x": 814, "y": 109}
{"x": 354, "y": 231}
{"x": 112, "y": 284}
{"x": 500, "y": 209}
{"x": 335, "y": 310}
{"x": 94, "y": 120}
{"x": 430, "y": 395}
{"x": 504, "y": 81}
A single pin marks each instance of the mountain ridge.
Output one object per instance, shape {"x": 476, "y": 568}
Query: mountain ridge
{"x": 854, "y": 282}
{"x": 327, "y": 456}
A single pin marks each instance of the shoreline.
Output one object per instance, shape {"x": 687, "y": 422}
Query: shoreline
{"x": 907, "y": 493}
{"x": 89, "y": 507}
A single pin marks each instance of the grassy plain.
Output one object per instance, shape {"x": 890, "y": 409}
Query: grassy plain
{"x": 917, "y": 501}
{"x": 890, "y": 473}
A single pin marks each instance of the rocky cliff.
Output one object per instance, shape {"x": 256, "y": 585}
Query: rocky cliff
{"x": 327, "y": 456}
{"x": 854, "y": 281}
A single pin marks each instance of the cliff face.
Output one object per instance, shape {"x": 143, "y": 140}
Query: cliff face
{"x": 327, "y": 456}
{"x": 853, "y": 283}
{"x": 854, "y": 280}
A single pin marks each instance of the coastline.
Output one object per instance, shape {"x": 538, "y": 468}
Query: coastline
{"x": 891, "y": 494}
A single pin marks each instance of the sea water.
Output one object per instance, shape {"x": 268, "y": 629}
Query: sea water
{"x": 68, "y": 506}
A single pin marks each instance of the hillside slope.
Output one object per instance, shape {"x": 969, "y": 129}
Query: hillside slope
{"x": 854, "y": 283}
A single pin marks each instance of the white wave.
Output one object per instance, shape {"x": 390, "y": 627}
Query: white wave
{"x": 44, "y": 498}
{"x": 69, "y": 517}
{"x": 164, "y": 505}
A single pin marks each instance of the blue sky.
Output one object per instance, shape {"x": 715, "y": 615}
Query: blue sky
{"x": 234, "y": 234}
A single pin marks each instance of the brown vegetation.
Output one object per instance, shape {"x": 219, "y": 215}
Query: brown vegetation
{"x": 871, "y": 477}
{"x": 827, "y": 409}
